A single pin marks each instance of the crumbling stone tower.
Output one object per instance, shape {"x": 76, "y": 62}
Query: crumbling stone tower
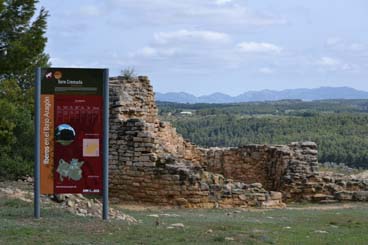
{"x": 151, "y": 163}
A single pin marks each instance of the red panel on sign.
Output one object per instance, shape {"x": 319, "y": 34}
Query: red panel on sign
{"x": 78, "y": 144}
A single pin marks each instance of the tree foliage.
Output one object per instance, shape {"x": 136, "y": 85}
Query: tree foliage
{"x": 22, "y": 40}
{"x": 16, "y": 132}
{"x": 22, "y": 43}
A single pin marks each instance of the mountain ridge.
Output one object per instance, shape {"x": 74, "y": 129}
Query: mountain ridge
{"x": 306, "y": 94}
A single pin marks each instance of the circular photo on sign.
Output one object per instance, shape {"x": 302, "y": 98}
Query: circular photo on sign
{"x": 64, "y": 134}
{"x": 58, "y": 74}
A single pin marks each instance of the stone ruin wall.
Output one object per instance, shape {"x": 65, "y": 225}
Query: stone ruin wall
{"x": 251, "y": 163}
{"x": 151, "y": 163}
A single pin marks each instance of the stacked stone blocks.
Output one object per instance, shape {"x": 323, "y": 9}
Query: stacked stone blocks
{"x": 151, "y": 163}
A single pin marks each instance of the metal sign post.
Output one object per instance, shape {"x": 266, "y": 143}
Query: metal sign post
{"x": 72, "y": 133}
{"x": 37, "y": 185}
{"x": 105, "y": 191}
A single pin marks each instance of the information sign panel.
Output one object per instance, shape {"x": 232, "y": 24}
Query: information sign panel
{"x": 71, "y": 131}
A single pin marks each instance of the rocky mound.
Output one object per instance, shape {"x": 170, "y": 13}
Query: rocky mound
{"x": 77, "y": 204}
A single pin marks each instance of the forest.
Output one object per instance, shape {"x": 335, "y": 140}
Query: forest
{"x": 339, "y": 127}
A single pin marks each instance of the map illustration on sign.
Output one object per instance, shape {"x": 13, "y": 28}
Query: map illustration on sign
{"x": 71, "y": 171}
{"x": 91, "y": 147}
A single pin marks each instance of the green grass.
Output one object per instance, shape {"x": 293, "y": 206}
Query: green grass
{"x": 339, "y": 226}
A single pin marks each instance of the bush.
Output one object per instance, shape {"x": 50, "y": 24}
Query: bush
{"x": 14, "y": 168}
{"x": 16, "y": 132}
{"x": 128, "y": 73}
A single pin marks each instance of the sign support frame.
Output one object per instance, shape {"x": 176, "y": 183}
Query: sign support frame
{"x": 37, "y": 181}
{"x": 105, "y": 145}
{"x": 105, "y": 171}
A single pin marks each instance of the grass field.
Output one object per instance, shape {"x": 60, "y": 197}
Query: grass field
{"x": 312, "y": 224}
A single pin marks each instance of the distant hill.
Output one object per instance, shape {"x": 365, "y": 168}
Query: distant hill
{"x": 322, "y": 93}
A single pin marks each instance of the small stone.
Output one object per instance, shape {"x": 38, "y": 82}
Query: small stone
{"x": 82, "y": 211}
{"x": 29, "y": 179}
{"x": 153, "y": 215}
{"x": 181, "y": 201}
{"x": 309, "y": 144}
{"x": 59, "y": 197}
{"x": 177, "y": 225}
{"x": 70, "y": 203}
{"x": 80, "y": 196}
{"x": 204, "y": 186}
{"x": 243, "y": 197}
{"x": 321, "y": 232}
{"x": 274, "y": 195}
{"x": 256, "y": 185}
{"x": 170, "y": 215}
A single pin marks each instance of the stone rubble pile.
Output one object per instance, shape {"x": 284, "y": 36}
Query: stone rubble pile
{"x": 17, "y": 193}
{"x": 305, "y": 182}
{"x": 73, "y": 203}
{"x": 330, "y": 187}
{"x": 90, "y": 207}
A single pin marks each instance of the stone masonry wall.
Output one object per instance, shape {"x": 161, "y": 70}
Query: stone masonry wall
{"x": 252, "y": 163}
{"x": 138, "y": 173}
{"x": 151, "y": 163}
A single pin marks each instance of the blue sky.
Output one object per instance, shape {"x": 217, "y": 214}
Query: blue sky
{"x": 206, "y": 46}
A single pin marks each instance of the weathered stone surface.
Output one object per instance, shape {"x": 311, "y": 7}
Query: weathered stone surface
{"x": 360, "y": 196}
{"x": 344, "y": 196}
{"x": 274, "y": 195}
{"x": 150, "y": 162}
{"x": 155, "y": 164}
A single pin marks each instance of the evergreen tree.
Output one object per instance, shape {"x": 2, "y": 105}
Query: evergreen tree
{"x": 22, "y": 41}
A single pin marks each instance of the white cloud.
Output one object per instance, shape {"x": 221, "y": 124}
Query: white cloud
{"x": 266, "y": 70}
{"x": 60, "y": 62}
{"x": 150, "y": 52}
{"x": 191, "y": 36}
{"x": 328, "y": 61}
{"x": 357, "y": 47}
{"x": 222, "y": 2}
{"x": 345, "y": 46}
{"x": 213, "y": 13}
{"x": 147, "y": 51}
{"x": 259, "y": 47}
{"x": 185, "y": 46}
{"x": 350, "y": 67}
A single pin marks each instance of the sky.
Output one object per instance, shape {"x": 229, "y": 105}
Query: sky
{"x": 207, "y": 46}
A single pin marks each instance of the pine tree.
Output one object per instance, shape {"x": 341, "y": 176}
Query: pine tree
{"x": 22, "y": 41}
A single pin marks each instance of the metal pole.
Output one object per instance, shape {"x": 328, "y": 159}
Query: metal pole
{"x": 37, "y": 211}
{"x": 105, "y": 211}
